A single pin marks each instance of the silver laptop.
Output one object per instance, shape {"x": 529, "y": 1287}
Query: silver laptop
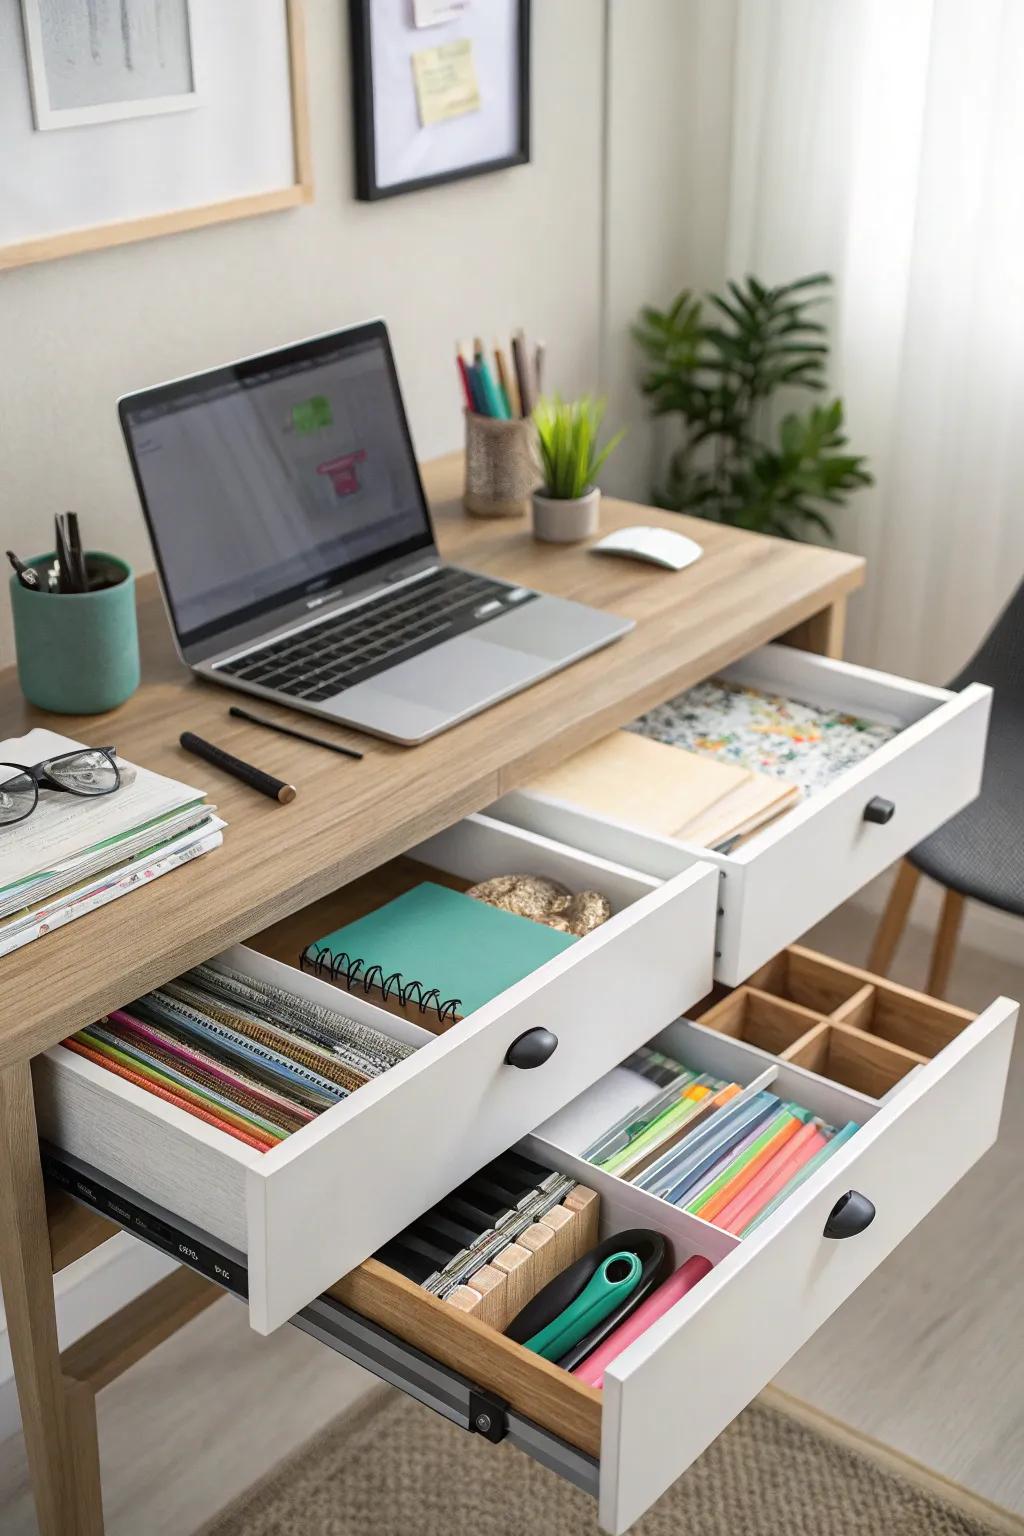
{"x": 296, "y": 552}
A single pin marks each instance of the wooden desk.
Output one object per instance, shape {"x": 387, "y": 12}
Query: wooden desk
{"x": 347, "y": 818}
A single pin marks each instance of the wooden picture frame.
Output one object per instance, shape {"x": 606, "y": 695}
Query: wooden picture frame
{"x": 124, "y": 231}
{"x": 49, "y": 115}
{"x": 370, "y": 187}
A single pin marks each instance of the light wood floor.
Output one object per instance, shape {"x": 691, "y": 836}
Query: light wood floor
{"x": 926, "y": 1356}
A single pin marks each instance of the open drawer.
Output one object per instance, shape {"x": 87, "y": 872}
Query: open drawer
{"x": 668, "y": 1395}
{"x": 313, "y": 1207}
{"x": 780, "y": 882}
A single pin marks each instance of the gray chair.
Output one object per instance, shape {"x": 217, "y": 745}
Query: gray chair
{"x": 979, "y": 853}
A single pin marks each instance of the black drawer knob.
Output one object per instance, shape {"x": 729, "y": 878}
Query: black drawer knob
{"x": 850, "y": 1214}
{"x": 532, "y": 1049}
{"x": 879, "y": 811}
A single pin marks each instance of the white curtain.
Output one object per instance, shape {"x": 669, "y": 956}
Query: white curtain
{"x": 883, "y": 141}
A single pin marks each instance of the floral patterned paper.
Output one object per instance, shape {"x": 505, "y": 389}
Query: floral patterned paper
{"x": 800, "y": 743}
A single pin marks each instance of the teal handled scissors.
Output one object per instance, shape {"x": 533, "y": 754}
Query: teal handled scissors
{"x": 611, "y": 1283}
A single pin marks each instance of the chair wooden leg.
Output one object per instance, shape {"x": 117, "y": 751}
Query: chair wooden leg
{"x": 944, "y": 949}
{"x": 894, "y": 919}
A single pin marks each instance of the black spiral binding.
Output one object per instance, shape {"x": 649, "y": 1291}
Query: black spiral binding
{"x": 322, "y": 962}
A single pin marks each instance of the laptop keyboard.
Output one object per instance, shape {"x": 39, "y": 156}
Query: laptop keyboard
{"x": 325, "y": 658}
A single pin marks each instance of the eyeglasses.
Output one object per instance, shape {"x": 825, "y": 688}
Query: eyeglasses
{"x": 90, "y": 771}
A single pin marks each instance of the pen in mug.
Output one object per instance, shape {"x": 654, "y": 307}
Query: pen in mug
{"x": 28, "y": 577}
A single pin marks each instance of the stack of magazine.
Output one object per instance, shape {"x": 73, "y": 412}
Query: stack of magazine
{"x": 252, "y": 1058}
{"x": 74, "y": 854}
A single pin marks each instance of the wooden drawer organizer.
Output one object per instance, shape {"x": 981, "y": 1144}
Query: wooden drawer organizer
{"x": 836, "y": 1021}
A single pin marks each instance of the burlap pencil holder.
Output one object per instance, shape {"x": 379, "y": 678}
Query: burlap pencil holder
{"x": 501, "y": 466}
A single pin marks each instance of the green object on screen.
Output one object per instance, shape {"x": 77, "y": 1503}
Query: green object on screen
{"x": 312, "y": 414}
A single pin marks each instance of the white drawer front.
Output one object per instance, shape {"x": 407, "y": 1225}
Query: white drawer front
{"x": 311, "y": 1209}
{"x": 687, "y": 1377}
{"x": 779, "y": 884}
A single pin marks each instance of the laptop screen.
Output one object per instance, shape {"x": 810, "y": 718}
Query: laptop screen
{"x": 276, "y": 478}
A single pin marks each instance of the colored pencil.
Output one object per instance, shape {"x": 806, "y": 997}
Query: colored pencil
{"x": 488, "y": 388}
{"x": 505, "y": 382}
{"x": 467, "y": 393}
{"x": 476, "y": 390}
{"x": 522, "y": 367}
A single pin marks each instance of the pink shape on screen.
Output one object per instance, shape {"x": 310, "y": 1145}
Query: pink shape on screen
{"x": 342, "y": 471}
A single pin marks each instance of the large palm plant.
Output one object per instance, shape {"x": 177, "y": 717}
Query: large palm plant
{"x": 737, "y": 461}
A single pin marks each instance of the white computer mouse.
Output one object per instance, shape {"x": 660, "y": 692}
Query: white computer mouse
{"x": 658, "y": 546}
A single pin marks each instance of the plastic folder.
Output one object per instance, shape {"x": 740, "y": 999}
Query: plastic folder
{"x": 724, "y": 1132}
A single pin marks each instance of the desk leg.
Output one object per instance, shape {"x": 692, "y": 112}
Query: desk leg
{"x": 823, "y": 632}
{"x": 26, "y": 1275}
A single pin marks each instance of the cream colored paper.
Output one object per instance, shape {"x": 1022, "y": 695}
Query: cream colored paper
{"x": 446, "y": 83}
{"x": 667, "y": 790}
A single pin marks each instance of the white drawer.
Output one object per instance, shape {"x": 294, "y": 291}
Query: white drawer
{"x": 315, "y": 1206}
{"x": 672, "y": 1391}
{"x": 780, "y": 883}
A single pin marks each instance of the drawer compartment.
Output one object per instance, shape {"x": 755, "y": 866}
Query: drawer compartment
{"x": 317, "y": 1204}
{"x": 785, "y": 878}
{"x": 682, "y": 1381}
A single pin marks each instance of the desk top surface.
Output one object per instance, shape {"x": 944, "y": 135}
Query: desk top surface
{"x": 350, "y": 816}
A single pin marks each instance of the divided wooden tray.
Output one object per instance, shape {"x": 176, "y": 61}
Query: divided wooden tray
{"x": 836, "y": 1020}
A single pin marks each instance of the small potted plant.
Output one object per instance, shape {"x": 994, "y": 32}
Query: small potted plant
{"x": 565, "y": 509}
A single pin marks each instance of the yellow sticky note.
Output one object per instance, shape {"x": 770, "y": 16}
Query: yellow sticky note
{"x": 446, "y": 83}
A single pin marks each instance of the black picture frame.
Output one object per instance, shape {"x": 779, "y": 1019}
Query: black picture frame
{"x": 367, "y": 188}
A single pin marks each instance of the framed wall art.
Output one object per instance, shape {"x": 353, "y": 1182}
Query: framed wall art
{"x": 119, "y": 121}
{"x": 441, "y": 90}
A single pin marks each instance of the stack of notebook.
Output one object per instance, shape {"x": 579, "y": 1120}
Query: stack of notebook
{"x": 74, "y": 854}
{"x": 667, "y": 790}
{"x": 716, "y": 764}
{"x": 252, "y": 1059}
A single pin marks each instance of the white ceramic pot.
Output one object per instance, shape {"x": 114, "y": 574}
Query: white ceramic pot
{"x": 565, "y": 522}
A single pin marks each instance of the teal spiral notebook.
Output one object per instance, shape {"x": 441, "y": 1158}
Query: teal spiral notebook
{"x": 434, "y": 950}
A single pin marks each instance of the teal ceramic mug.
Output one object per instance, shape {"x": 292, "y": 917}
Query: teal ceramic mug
{"x": 78, "y": 652}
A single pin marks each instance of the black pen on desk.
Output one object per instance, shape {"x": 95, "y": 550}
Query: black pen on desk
{"x": 289, "y": 730}
{"x": 275, "y": 789}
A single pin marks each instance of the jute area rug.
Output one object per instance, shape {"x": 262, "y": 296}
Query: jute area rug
{"x": 392, "y": 1468}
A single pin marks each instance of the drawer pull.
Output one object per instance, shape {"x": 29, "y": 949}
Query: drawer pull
{"x": 532, "y": 1049}
{"x": 879, "y": 811}
{"x": 851, "y": 1214}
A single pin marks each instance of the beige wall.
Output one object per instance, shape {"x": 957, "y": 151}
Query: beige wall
{"x": 667, "y": 188}
{"x": 520, "y": 247}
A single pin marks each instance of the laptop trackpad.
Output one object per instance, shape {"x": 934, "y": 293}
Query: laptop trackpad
{"x": 437, "y": 687}
{"x": 458, "y": 672}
